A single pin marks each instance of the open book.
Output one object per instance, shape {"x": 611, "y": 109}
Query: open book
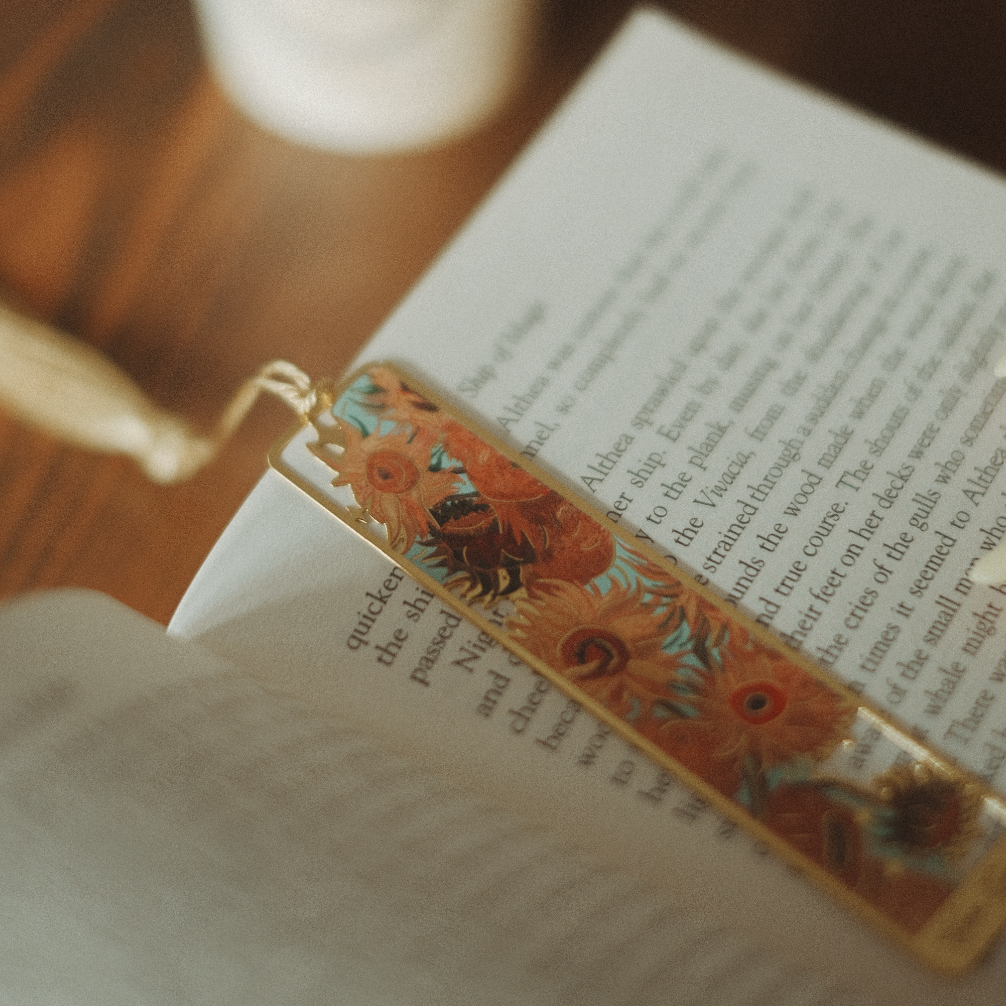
{"x": 755, "y": 328}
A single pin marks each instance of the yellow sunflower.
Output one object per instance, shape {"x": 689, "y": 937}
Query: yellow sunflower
{"x": 609, "y": 644}
{"x": 390, "y": 478}
{"x": 758, "y": 703}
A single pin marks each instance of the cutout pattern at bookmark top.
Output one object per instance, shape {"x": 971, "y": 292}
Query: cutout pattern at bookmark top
{"x": 900, "y": 834}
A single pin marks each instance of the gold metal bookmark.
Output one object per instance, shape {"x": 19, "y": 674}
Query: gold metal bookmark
{"x": 902, "y": 835}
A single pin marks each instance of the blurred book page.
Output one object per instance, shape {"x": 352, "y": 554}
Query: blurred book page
{"x": 173, "y": 831}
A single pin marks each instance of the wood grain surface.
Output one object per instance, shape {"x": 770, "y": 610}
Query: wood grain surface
{"x": 140, "y": 212}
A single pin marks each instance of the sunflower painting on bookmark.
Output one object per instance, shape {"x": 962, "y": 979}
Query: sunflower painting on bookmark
{"x": 894, "y": 830}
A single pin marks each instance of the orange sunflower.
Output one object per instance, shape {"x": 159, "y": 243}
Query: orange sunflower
{"x": 532, "y": 519}
{"x": 759, "y": 704}
{"x": 707, "y": 625}
{"x": 610, "y": 644}
{"x": 525, "y": 507}
{"x": 931, "y": 809}
{"x": 576, "y": 548}
{"x": 567, "y": 544}
{"x": 390, "y": 478}
{"x": 492, "y": 473}
{"x": 399, "y": 403}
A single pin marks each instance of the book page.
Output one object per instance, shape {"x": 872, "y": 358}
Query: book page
{"x": 173, "y": 831}
{"x": 765, "y": 349}
{"x": 752, "y": 327}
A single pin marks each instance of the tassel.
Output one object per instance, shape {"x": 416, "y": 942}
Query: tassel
{"x": 68, "y": 390}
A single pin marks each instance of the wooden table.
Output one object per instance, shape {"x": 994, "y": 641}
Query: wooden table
{"x": 142, "y": 213}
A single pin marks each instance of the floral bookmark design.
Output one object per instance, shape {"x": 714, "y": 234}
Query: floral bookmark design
{"x": 688, "y": 678}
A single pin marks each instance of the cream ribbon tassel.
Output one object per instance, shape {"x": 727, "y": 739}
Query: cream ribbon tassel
{"x": 69, "y": 390}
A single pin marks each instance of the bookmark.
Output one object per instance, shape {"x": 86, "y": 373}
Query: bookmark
{"x": 892, "y": 829}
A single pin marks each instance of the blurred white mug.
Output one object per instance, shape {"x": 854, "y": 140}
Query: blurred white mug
{"x": 368, "y": 76}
